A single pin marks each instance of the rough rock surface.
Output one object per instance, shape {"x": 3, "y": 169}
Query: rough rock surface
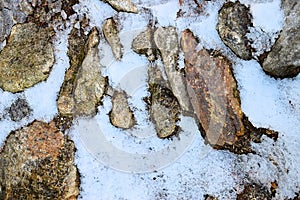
{"x": 6, "y": 23}
{"x": 164, "y": 107}
{"x": 233, "y": 24}
{"x": 37, "y": 162}
{"x": 111, "y": 34}
{"x": 84, "y": 85}
{"x": 123, "y": 6}
{"x": 254, "y": 191}
{"x": 121, "y": 115}
{"x": 27, "y": 58}
{"x": 215, "y": 99}
{"x": 166, "y": 40}
{"x": 19, "y": 110}
{"x": 284, "y": 59}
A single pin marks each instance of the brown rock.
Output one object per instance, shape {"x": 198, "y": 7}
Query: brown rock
{"x": 123, "y": 6}
{"x": 254, "y": 191}
{"x": 37, "y": 162}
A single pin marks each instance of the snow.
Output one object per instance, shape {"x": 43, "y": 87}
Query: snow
{"x": 135, "y": 164}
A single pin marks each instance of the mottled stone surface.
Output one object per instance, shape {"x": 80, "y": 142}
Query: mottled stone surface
{"x": 37, "y": 162}
{"x": 284, "y": 59}
{"x": 19, "y": 110}
{"x": 164, "y": 107}
{"x": 111, "y": 34}
{"x": 215, "y": 99}
{"x": 121, "y": 115}
{"x": 84, "y": 85}
{"x": 27, "y": 58}
{"x": 166, "y": 40}
{"x": 123, "y": 6}
{"x": 6, "y": 23}
{"x": 233, "y": 24}
{"x": 254, "y": 191}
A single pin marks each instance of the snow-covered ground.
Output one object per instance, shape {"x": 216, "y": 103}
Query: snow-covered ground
{"x": 135, "y": 164}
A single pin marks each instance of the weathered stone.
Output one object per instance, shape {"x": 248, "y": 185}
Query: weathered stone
{"x": 254, "y": 191}
{"x": 215, "y": 99}
{"x": 123, "y": 6}
{"x": 6, "y": 23}
{"x": 284, "y": 59}
{"x": 19, "y": 110}
{"x": 84, "y": 85}
{"x": 233, "y": 25}
{"x": 209, "y": 197}
{"x": 27, "y": 58}
{"x": 166, "y": 40}
{"x": 37, "y": 162}
{"x": 111, "y": 34}
{"x": 121, "y": 115}
{"x": 164, "y": 107}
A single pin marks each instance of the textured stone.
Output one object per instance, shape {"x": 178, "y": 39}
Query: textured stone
{"x": 6, "y": 23}
{"x": 166, "y": 40}
{"x": 37, "y": 162}
{"x": 27, "y": 58}
{"x": 121, "y": 115}
{"x": 84, "y": 85}
{"x": 233, "y": 24}
{"x": 254, "y": 191}
{"x": 19, "y": 110}
{"x": 111, "y": 34}
{"x": 284, "y": 59}
{"x": 123, "y": 6}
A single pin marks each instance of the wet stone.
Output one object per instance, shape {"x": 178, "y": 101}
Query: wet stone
{"x": 37, "y": 162}
{"x": 27, "y": 59}
{"x": 233, "y": 25}
{"x": 19, "y": 110}
{"x": 111, "y": 34}
{"x": 284, "y": 58}
{"x": 121, "y": 116}
{"x": 123, "y": 6}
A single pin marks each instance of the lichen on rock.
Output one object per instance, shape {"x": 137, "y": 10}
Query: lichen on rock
{"x": 28, "y": 57}
{"x": 123, "y": 6}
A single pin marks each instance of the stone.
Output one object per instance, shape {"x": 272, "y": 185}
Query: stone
{"x": 83, "y": 86}
{"x": 214, "y": 95}
{"x": 6, "y": 23}
{"x": 121, "y": 116}
{"x": 111, "y": 34}
{"x": 123, "y": 6}
{"x": 19, "y": 110}
{"x": 164, "y": 107}
{"x": 283, "y": 60}
{"x": 166, "y": 40}
{"x": 27, "y": 59}
{"x": 254, "y": 191}
{"x": 233, "y": 25}
{"x": 37, "y": 162}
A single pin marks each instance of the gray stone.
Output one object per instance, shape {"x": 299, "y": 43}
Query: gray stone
{"x": 123, "y": 5}
{"x": 6, "y": 23}
{"x": 19, "y": 110}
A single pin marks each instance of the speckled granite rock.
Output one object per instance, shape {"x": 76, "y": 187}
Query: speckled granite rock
{"x": 111, "y": 34}
{"x": 19, "y": 110}
{"x": 284, "y": 59}
{"x": 27, "y": 58}
{"x": 166, "y": 40}
{"x": 233, "y": 24}
{"x": 84, "y": 85}
{"x": 37, "y": 162}
{"x": 123, "y": 5}
{"x": 121, "y": 115}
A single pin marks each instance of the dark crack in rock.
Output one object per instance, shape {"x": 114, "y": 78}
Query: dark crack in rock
{"x": 37, "y": 162}
{"x": 284, "y": 58}
{"x": 164, "y": 107}
{"x": 84, "y": 85}
{"x": 254, "y": 191}
{"x": 19, "y": 110}
{"x": 111, "y": 34}
{"x": 28, "y": 57}
{"x": 123, "y": 6}
{"x": 121, "y": 116}
{"x": 233, "y": 25}
{"x": 166, "y": 40}
{"x": 215, "y": 99}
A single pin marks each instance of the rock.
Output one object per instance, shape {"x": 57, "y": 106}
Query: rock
{"x": 6, "y": 23}
{"x": 27, "y": 58}
{"x": 111, "y": 34}
{"x": 37, "y": 162}
{"x": 121, "y": 116}
{"x": 123, "y": 6}
{"x": 284, "y": 59}
{"x": 254, "y": 191}
{"x": 19, "y": 110}
{"x": 164, "y": 107}
{"x": 84, "y": 85}
{"x": 144, "y": 44}
{"x": 215, "y": 99}
{"x": 208, "y": 197}
{"x": 233, "y": 24}
{"x": 166, "y": 40}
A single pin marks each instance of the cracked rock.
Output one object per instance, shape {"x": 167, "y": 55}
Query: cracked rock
{"x": 19, "y": 110}
{"x": 111, "y": 34}
{"x": 233, "y": 25}
{"x": 37, "y": 162}
{"x": 27, "y": 59}
{"x": 121, "y": 116}
{"x": 123, "y": 6}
